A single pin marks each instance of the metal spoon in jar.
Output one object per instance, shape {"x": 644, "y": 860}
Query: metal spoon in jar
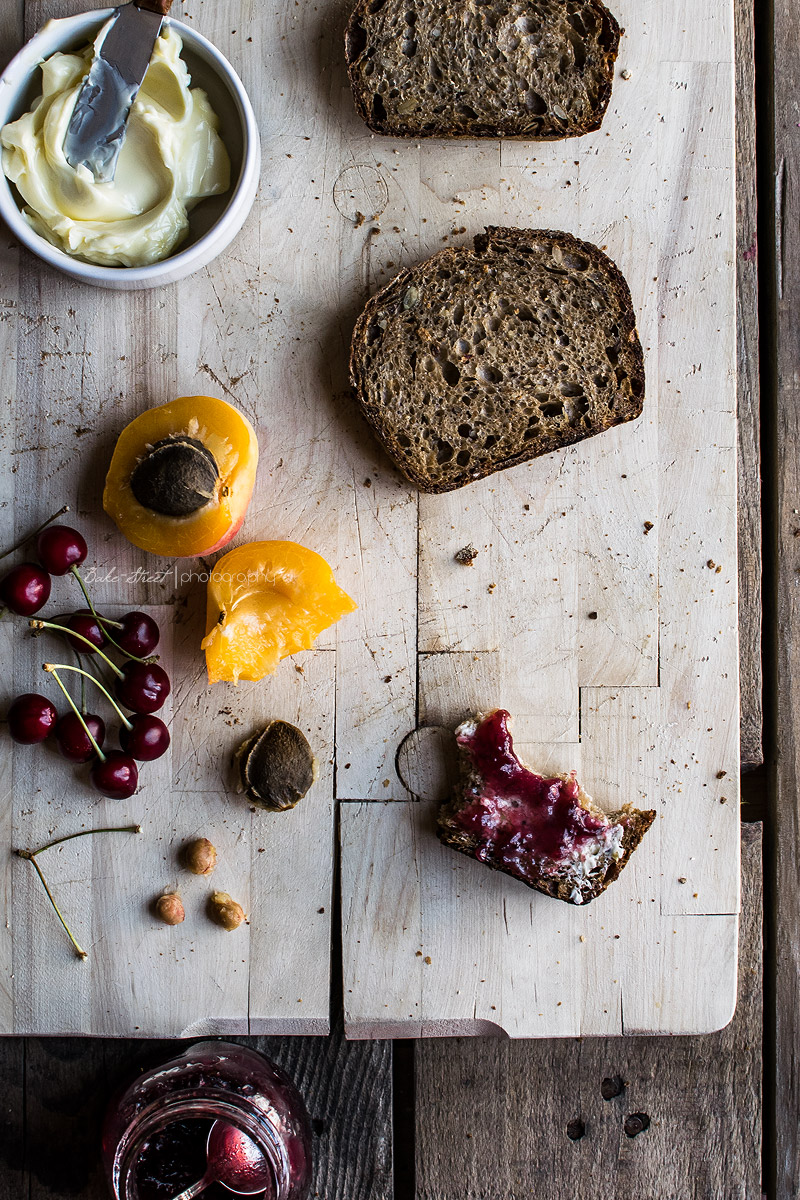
{"x": 234, "y": 1161}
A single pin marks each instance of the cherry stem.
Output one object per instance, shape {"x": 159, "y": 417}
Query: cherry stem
{"x": 30, "y": 856}
{"x": 105, "y": 621}
{"x": 83, "y": 682}
{"x": 95, "y": 670}
{"x": 54, "y": 667}
{"x": 30, "y": 536}
{"x": 35, "y": 624}
{"x": 52, "y": 671}
{"x": 69, "y": 837}
{"x": 79, "y": 953}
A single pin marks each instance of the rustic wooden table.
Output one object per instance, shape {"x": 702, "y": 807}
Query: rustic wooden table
{"x": 486, "y": 1119}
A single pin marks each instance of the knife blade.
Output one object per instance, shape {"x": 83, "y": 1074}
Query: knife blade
{"x": 99, "y": 119}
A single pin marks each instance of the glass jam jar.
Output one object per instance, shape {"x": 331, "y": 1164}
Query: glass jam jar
{"x": 156, "y": 1129}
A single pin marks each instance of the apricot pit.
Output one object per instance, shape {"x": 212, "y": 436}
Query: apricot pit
{"x": 176, "y": 477}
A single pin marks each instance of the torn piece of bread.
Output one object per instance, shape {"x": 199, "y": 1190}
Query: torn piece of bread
{"x": 546, "y": 832}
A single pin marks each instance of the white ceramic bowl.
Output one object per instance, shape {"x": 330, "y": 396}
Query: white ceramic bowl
{"x": 213, "y": 223}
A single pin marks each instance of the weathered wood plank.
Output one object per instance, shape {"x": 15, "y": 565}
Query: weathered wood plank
{"x": 502, "y": 1120}
{"x": 53, "y": 1103}
{"x": 349, "y": 1096}
{"x": 748, "y": 398}
{"x": 785, "y": 555}
{"x": 12, "y": 1117}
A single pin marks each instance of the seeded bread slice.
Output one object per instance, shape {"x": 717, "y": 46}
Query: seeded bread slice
{"x": 535, "y": 69}
{"x": 578, "y": 877}
{"x": 482, "y": 358}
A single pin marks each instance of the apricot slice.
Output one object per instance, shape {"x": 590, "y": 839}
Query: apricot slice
{"x": 267, "y": 600}
{"x": 181, "y": 476}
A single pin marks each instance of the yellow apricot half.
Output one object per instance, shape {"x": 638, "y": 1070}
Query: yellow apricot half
{"x": 267, "y": 600}
{"x": 181, "y": 477}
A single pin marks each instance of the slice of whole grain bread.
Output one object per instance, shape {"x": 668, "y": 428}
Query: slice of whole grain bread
{"x": 572, "y": 880}
{"x": 535, "y": 69}
{"x": 482, "y": 358}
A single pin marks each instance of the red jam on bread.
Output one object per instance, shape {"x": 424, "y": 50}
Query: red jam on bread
{"x": 524, "y": 816}
{"x": 546, "y": 832}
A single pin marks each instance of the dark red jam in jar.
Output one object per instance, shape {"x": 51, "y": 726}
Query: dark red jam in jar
{"x": 156, "y": 1132}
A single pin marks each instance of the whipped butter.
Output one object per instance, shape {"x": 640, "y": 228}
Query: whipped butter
{"x": 172, "y": 158}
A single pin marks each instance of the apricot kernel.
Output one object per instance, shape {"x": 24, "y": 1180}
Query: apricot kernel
{"x": 276, "y": 766}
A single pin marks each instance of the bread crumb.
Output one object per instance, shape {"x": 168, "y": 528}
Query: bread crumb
{"x": 466, "y": 555}
{"x": 427, "y": 959}
{"x": 626, "y": 74}
{"x": 648, "y": 525}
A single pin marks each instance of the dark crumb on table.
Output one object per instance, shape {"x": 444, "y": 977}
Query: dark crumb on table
{"x": 466, "y": 555}
{"x": 648, "y": 525}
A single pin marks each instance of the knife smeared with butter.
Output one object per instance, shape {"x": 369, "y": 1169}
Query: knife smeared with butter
{"x": 172, "y": 158}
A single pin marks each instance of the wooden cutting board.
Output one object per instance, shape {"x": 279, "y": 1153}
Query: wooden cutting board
{"x": 642, "y": 699}
{"x": 601, "y": 609}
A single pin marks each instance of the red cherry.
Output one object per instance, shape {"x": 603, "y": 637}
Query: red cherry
{"x": 117, "y": 777}
{"x": 72, "y": 739}
{"x": 89, "y": 627}
{"x": 147, "y": 740}
{"x": 139, "y": 634}
{"x": 144, "y": 687}
{"x": 31, "y": 719}
{"x": 60, "y": 548}
{"x": 25, "y": 589}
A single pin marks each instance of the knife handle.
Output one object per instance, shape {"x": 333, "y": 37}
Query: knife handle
{"x": 155, "y": 6}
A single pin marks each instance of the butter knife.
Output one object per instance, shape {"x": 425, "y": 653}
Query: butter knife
{"x": 97, "y": 126}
